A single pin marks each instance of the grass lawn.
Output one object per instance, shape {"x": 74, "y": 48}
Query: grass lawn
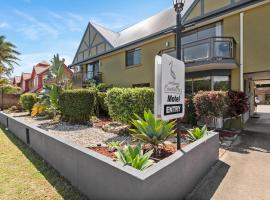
{"x": 24, "y": 175}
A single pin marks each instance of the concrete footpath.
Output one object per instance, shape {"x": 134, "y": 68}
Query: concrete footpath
{"x": 243, "y": 172}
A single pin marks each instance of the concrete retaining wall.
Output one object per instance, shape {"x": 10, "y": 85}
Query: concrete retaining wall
{"x": 99, "y": 177}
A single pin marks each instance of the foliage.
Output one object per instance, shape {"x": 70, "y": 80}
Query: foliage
{"x": 210, "y": 104}
{"x": 114, "y": 145}
{"x": 102, "y": 87}
{"x": 51, "y": 112}
{"x": 7, "y": 88}
{"x": 8, "y": 56}
{"x": 28, "y": 100}
{"x": 38, "y": 109}
{"x": 78, "y": 105}
{"x": 152, "y": 130}
{"x": 124, "y": 102}
{"x": 134, "y": 157}
{"x": 197, "y": 133}
{"x": 101, "y": 102}
{"x": 237, "y": 103}
{"x": 190, "y": 111}
{"x": 56, "y": 71}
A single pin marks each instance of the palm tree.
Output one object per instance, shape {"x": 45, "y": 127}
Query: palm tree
{"x": 57, "y": 69}
{"x": 8, "y": 56}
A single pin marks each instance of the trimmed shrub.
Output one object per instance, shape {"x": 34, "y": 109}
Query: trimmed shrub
{"x": 190, "y": 111}
{"x": 123, "y": 103}
{"x": 237, "y": 104}
{"x": 210, "y": 104}
{"x": 102, "y": 104}
{"x": 28, "y": 100}
{"x": 78, "y": 105}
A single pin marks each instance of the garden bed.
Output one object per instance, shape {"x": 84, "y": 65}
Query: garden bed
{"x": 96, "y": 175}
{"x": 90, "y": 135}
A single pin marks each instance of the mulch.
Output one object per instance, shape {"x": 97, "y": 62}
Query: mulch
{"x": 165, "y": 152}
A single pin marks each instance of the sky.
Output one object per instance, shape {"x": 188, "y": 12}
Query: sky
{"x": 42, "y": 28}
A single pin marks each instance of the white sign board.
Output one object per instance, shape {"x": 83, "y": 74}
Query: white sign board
{"x": 169, "y": 88}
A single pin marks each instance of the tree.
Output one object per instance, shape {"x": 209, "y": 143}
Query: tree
{"x": 7, "y": 88}
{"x": 8, "y": 56}
{"x": 57, "y": 69}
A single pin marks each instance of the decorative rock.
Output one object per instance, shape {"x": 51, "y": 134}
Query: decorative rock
{"x": 116, "y": 128}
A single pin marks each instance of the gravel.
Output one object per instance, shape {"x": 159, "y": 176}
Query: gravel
{"x": 84, "y": 135}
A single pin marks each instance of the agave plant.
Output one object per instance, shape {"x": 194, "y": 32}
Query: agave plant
{"x": 197, "y": 133}
{"x": 114, "y": 145}
{"x": 134, "y": 157}
{"x": 152, "y": 130}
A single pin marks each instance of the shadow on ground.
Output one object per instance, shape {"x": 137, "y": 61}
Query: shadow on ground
{"x": 210, "y": 183}
{"x": 63, "y": 187}
{"x": 251, "y": 141}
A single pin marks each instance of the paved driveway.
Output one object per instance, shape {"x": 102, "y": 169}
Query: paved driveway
{"x": 243, "y": 171}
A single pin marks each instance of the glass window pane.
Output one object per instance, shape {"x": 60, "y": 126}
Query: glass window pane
{"x": 203, "y": 84}
{"x": 222, "y": 49}
{"x": 134, "y": 57}
{"x": 221, "y": 83}
{"x": 199, "y": 52}
{"x": 189, "y": 37}
{"x": 206, "y": 32}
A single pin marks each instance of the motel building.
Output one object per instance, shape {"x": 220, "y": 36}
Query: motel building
{"x": 225, "y": 45}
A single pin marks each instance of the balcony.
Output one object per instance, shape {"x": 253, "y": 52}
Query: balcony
{"x": 81, "y": 79}
{"x": 208, "y": 54}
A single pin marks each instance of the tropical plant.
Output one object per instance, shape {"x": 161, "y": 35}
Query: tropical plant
{"x": 114, "y": 145}
{"x": 38, "y": 109}
{"x": 8, "y": 56}
{"x": 28, "y": 100}
{"x": 152, "y": 130}
{"x": 56, "y": 71}
{"x": 134, "y": 157}
{"x": 197, "y": 133}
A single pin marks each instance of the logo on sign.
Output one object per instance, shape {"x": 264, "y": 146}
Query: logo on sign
{"x": 172, "y": 86}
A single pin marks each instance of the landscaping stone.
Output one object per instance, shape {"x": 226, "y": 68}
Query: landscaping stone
{"x": 117, "y": 128}
{"x": 83, "y": 135}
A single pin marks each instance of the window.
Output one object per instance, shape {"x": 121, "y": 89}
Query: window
{"x": 207, "y": 83}
{"x": 133, "y": 57}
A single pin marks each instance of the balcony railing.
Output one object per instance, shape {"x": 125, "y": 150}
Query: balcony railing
{"x": 210, "y": 49}
{"x": 82, "y": 79}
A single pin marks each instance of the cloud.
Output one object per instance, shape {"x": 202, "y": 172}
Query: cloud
{"x": 4, "y": 25}
{"x": 33, "y": 27}
{"x": 29, "y": 60}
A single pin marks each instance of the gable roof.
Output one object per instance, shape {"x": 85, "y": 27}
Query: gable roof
{"x": 25, "y": 76}
{"x": 40, "y": 68}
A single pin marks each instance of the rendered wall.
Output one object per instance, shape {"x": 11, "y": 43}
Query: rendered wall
{"x": 99, "y": 177}
{"x": 256, "y": 39}
{"x": 114, "y": 67}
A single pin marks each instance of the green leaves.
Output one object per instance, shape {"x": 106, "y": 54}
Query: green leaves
{"x": 28, "y": 100}
{"x": 124, "y": 102}
{"x": 8, "y": 56}
{"x": 197, "y": 133}
{"x": 134, "y": 157}
{"x": 152, "y": 130}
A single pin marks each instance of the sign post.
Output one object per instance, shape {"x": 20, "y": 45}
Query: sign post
{"x": 169, "y": 89}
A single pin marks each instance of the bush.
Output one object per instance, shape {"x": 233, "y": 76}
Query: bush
{"x": 28, "y": 100}
{"x": 123, "y": 103}
{"x": 101, "y": 102}
{"x": 210, "y": 104}
{"x": 78, "y": 105}
{"x": 190, "y": 111}
{"x": 102, "y": 87}
{"x": 237, "y": 104}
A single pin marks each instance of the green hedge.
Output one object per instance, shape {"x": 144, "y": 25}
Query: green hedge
{"x": 77, "y": 105}
{"x": 124, "y": 102}
{"x": 28, "y": 100}
{"x": 102, "y": 104}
